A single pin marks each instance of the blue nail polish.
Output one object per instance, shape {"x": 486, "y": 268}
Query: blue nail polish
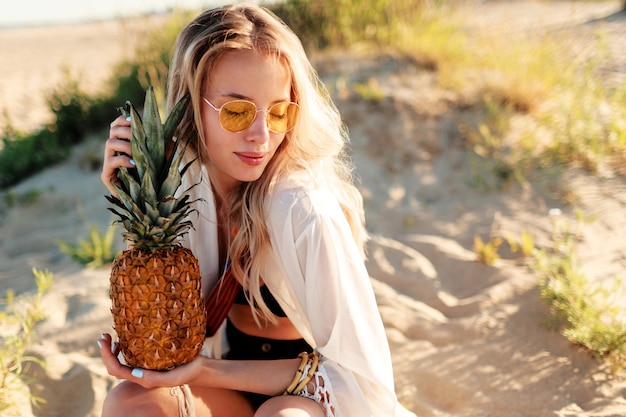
{"x": 99, "y": 344}
{"x": 137, "y": 373}
{"x": 128, "y": 118}
{"x": 132, "y": 162}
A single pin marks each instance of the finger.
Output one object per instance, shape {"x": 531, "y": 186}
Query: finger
{"x": 172, "y": 378}
{"x": 120, "y": 121}
{"x": 147, "y": 379}
{"x": 111, "y": 362}
{"x": 109, "y": 171}
{"x": 120, "y": 128}
{"x": 115, "y": 348}
{"x": 116, "y": 154}
{"x": 120, "y": 132}
{"x": 113, "y": 162}
{"x": 115, "y": 145}
{"x": 105, "y": 338}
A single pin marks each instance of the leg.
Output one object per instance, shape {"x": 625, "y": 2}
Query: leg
{"x": 289, "y": 406}
{"x": 131, "y": 400}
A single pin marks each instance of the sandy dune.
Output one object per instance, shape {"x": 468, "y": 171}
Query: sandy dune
{"x": 467, "y": 339}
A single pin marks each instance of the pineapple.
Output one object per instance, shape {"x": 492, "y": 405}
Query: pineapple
{"x": 157, "y": 306}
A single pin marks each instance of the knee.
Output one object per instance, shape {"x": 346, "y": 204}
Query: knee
{"x": 289, "y": 406}
{"x": 129, "y": 399}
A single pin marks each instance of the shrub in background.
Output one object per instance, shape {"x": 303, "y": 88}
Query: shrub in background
{"x": 23, "y": 155}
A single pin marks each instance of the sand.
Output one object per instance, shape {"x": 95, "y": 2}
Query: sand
{"x": 38, "y": 60}
{"x": 467, "y": 339}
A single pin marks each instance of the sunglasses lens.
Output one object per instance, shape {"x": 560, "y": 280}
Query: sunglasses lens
{"x": 236, "y": 116}
{"x": 282, "y": 117}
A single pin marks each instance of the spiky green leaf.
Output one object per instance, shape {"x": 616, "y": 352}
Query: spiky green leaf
{"x": 131, "y": 184}
{"x": 173, "y": 179}
{"x": 152, "y": 214}
{"x": 122, "y": 217}
{"x": 155, "y": 141}
{"x": 138, "y": 143}
{"x": 175, "y": 117}
{"x": 167, "y": 206}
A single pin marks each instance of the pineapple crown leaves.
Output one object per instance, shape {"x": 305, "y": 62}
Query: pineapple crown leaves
{"x": 147, "y": 207}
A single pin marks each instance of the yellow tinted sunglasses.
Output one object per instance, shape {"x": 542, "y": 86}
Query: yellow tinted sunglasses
{"x": 237, "y": 115}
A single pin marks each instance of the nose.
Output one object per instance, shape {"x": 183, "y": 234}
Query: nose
{"x": 258, "y": 130}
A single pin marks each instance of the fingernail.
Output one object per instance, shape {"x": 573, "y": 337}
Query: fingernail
{"x": 102, "y": 336}
{"x": 99, "y": 344}
{"x": 128, "y": 118}
{"x": 113, "y": 347}
{"x": 137, "y": 373}
{"x": 132, "y": 162}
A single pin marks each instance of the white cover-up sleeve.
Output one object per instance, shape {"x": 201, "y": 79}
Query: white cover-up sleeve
{"x": 202, "y": 240}
{"x": 320, "y": 280}
{"x": 202, "y": 237}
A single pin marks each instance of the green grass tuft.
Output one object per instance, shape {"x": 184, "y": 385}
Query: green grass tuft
{"x": 586, "y": 314}
{"x": 96, "y": 251}
{"x": 18, "y": 321}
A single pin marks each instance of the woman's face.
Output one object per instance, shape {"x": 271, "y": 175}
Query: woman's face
{"x": 243, "y": 156}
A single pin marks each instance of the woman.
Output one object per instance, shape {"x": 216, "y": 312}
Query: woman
{"x": 276, "y": 186}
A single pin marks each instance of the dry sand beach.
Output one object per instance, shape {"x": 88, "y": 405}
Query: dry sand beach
{"x": 467, "y": 339}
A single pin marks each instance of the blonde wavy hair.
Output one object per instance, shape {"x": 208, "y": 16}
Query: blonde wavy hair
{"x": 316, "y": 145}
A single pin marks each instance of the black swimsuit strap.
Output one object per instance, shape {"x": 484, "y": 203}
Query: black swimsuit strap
{"x": 268, "y": 298}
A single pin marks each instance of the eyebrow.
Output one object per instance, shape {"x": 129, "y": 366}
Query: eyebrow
{"x": 238, "y": 96}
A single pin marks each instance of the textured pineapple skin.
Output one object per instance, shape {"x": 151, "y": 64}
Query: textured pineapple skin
{"x": 157, "y": 307}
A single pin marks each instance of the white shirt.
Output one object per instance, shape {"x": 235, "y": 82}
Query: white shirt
{"x": 319, "y": 278}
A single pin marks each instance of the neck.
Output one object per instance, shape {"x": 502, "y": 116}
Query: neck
{"x": 222, "y": 188}
{"x": 222, "y": 195}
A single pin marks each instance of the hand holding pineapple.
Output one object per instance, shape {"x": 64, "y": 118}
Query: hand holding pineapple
{"x": 185, "y": 373}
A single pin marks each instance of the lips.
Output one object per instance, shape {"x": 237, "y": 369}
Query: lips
{"x": 251, "y": 158}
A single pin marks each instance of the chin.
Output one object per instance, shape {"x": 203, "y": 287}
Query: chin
{"x": 250, "y": 177}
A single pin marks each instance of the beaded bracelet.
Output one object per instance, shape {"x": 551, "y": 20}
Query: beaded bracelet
{"x": 312, "y": 363}
{"x": 298, "y": 375}
{"x": 300, "y": 380}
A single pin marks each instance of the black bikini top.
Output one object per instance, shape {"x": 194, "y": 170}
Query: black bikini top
{"x": 268, "y": 298}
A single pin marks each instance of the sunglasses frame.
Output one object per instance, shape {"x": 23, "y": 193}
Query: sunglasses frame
{"x": 256, "y": 109}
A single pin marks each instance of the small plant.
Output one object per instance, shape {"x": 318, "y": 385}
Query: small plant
{"x": 487, "y": 252}
{"x": 94, "y": 252}
{"x": 409, "y": 221}
{"x": 18, "y": 321}
{"x": 525, "y": 245}
{"x": 11, "y": 198}
{"x": 369, "y": 91}
{"x": 585, "y": 313}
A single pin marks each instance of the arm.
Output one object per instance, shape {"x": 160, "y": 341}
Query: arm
{"x": 263, "y": 377}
